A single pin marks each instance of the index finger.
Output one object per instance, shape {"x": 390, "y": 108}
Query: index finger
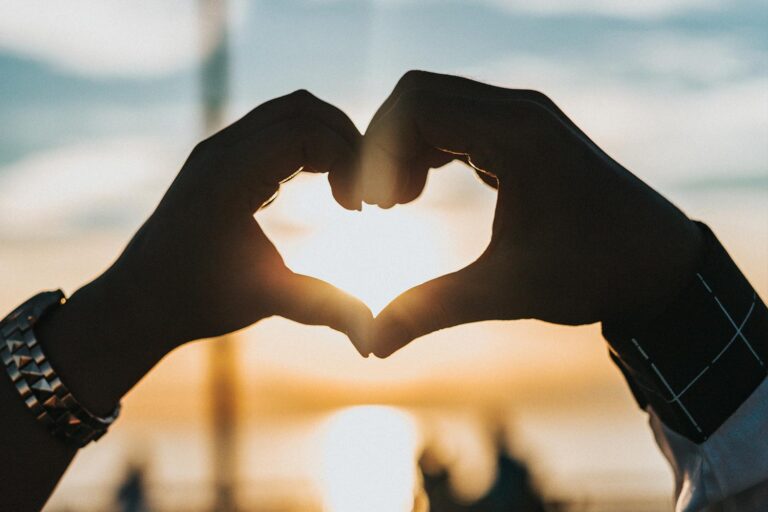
{"x": 423, "y": 129}
{"x": 298, "y": 104}
{"x": 417, "y": 80}
{"x": 449, "y": 84}
{"x": 301, "y": 105}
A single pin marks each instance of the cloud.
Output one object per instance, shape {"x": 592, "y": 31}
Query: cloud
{"x": 643, "y": 9}
{"x": 108, "y": 37}
{"x": 633, "y": 9}
{"x": 111, "y": 183}
{"x": 655, "y": 104}
{"x": 690, "y": 57}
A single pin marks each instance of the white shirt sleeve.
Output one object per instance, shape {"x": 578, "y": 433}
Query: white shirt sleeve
{"x": 727, "y": 472}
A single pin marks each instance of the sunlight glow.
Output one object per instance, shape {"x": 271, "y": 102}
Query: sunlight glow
{"x": 368, "y": 460}
{"x": 374, "y": 255}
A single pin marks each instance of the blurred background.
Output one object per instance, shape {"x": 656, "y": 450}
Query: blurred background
{"x": 100, "y": 102}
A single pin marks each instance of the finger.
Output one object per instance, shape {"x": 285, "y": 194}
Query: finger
{"x": 312, "y": 301}
{"x": 446, "y": 84}
{"x": 301, "y": 105}
{"x": 399, "y": 148}
{"x": 268, "y": 157}
{"x": 461, "y": 86}
{"x": 416, "y": 80}
{"x": 413, "y": 183}
{"x": 401, "y": 188}
{"x": 411, "y": 188}
{"x": 453, "y": 299}
{"x": 488, "y": 179}
{"x": 345, "y": 185}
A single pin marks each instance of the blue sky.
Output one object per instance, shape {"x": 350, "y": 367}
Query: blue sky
{"x": 675, "y": 89}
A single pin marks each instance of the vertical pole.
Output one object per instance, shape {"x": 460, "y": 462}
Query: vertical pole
{"x": 223, "y": 407}
{"x": 222, "y": 357}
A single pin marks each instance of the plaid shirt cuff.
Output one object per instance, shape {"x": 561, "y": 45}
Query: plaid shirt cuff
{"x": 704, "y": 355}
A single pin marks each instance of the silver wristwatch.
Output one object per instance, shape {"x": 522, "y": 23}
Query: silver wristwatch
{"x": 37, "y": 383}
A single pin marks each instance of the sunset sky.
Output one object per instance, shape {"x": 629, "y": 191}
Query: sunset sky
{"x": 99, "y": 106}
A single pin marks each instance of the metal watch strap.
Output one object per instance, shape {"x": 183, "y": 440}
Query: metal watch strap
{"x": 40, "y": 388}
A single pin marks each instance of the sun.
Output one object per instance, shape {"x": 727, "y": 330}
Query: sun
{"x": 368, "y": 460}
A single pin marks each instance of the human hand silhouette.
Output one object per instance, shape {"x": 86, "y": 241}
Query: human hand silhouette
{"x": 576, "y": 237}
{"x": 201, "y": 266}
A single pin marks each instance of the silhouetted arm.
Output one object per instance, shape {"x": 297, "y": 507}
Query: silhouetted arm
{"x": 699, "y": 368}
{"x": 578, "y": 239}
{"x": 199, "y": 267}
{"x": 94, "y": 352}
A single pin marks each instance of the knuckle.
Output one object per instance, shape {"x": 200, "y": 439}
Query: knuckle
{"x": 547, "y": 107}
{"x": 201, "y": 147}
{"x": 537, "y": 96}
{"x": 531, "y": 112}
{"x": 413, "y": 78}
{"x": 204, "y": 148}
{"x": 302, "y": 98}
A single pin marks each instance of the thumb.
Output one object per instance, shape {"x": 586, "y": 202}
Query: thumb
{"x": 453, "y": 299}
{"x": 311, "y": 301}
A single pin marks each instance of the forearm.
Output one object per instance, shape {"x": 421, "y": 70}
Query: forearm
{"x": 700, "y": 357}
{"x": 200, "y": 267}
{"x": 33, "y": 460}
{"x": 102, "y": 342}
{"x": 89, "y": 345}
{"x": 698, "y": 367}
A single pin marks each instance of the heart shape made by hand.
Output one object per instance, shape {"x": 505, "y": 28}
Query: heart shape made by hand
{"x": 377, "y": 254}
{"x": 558, "y": 250}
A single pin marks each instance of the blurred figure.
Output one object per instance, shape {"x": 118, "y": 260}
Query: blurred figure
{"x": 132, "y": 494}
{"x": 512, "y": 490}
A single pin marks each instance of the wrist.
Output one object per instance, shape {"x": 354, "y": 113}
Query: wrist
{"x": 696, "y": 361}
{"x": 675, "y": 261}
{"x": 96, "y": 343}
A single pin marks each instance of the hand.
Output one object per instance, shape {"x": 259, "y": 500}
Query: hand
{"x": 576, "y": 237}
{"x": 201, "y": 266}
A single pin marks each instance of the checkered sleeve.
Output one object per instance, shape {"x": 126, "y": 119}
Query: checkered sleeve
{"x": 704, "y": 355}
